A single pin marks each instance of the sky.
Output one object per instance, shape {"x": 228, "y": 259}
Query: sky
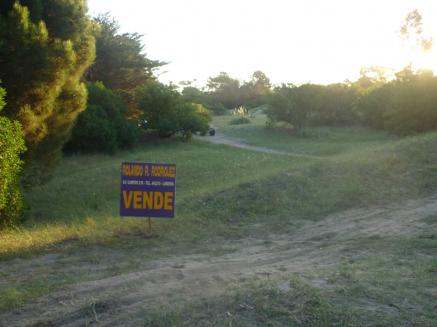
{"x": 291, "y": 41}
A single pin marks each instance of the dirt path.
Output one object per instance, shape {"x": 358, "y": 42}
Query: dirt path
{"x": 121, "y": 299}
{"x": 220, "y": 138}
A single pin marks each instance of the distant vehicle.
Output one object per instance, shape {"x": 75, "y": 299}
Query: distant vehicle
{"x": 143, "y": 123}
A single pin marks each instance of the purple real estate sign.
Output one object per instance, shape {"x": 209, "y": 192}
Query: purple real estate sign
{"x": 148, "y": 190}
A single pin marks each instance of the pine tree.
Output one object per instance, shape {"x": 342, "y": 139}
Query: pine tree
{"x": 45, "y": 48}
{"x": 121, "y": 63}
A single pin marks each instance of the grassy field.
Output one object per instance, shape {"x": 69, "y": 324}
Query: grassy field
{"x": 326, "y": 141}
{"x": 226, "y": 195}
{"x": 393, "y": 284}
{"x": 81, "y": 200}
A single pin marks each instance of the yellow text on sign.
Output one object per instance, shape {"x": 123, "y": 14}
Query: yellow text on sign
{"x": 148, "y": 200}
{"x": 138, "y": 170}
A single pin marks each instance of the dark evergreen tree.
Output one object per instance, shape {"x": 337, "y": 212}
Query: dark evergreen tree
{"x": 120, "y": 61}
{"x": 45, "y": 48}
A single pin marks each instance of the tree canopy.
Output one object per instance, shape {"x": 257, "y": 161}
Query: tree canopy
{"x": 121, "y": 63}
{"x": 45, "y": 48}
{"x": 164, "y": 110}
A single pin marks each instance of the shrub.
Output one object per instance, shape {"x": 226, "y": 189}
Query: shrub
{"x": 102, "y": 127}
{"x": 239, "y": 121}
{"x": 372, "y": 105}
{"x": 11, "y": 146}
{"x": 333, "y": 105}
{"x": 193, "y": 118}
{"x": 293, "y": 105}
{"x": 316, "y": 105}
{"x": 218, "y": 109}
{"x": 413, "y": 106}
{"x": 405, "y": 106}
{"x": 167, "y": 113}
{"x": 241, "y": 116}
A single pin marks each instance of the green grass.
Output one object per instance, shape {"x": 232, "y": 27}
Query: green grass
{"x": 326, "y": 141}
{"x": 81, "y": 201}
{"x": 396, "y": 277}
{"x": 224, "y": 194}
{"x": 256, "y": 304}
{"x": 78, "y": 209}
{"x": 240, "y": 121}
{"x": 391, "y": 282}
{"x": 398, "y": 171}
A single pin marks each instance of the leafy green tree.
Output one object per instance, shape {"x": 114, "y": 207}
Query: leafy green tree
{"x": 166, "y": 112}
{"x": 120, "y": 61}
{"x": 193, "y": 118}
{"x": 254, "y": 93}
{"x": 372, "y": 105}
{"x": 293, "y": 105}
{"x": 404, "y": 106}
{"x": 412, "y": 30}
{"x": 261, "y": 83}
{"x": 413, "y": 105}
{"x": 333, "y": 105}
{"x": 45, "y": 48}
{"x": 11, "y": 146}
{"x": 208, "y": 100}
{"x": 193, "y": 94}
{"x": 225, "y": 90}
{"x": 103, "y": 126}
{"x": 371, "y": 77}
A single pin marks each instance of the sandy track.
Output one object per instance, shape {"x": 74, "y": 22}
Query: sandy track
{"x": 121, "y": 300}
{"x": 220, "y": 138}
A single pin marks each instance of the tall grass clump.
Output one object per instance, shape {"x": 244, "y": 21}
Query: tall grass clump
{"x": 241, "y": 115}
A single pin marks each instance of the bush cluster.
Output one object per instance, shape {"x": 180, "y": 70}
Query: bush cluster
{"x": 167, "y": 113}
{"x": 239, "y": 121}
{"x": 405, "y": 106}
{"x": 11, "y": 146}
{"x": 241, "y": 115}
{"x": 217, "y": 109}
{"x": 102, "y": 127}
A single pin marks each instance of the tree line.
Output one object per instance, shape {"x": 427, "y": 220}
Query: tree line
{"x": 222, "y": 92}
{"x": 404, "y": 105}
{"x": 71, "y": 83}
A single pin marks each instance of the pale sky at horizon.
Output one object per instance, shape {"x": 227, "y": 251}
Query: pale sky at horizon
{"x": 290, "y": 41}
